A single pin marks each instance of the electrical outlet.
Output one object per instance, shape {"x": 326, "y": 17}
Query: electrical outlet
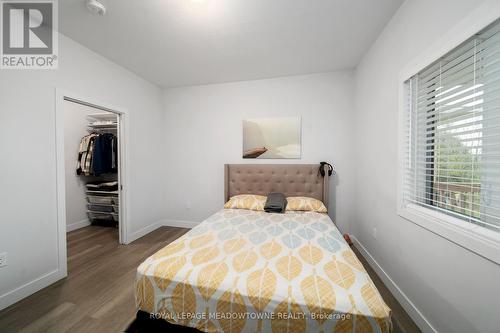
{"x": 375, "y": 233}
{"x": 188, "y": 205}
{"x": 3, "y": 259}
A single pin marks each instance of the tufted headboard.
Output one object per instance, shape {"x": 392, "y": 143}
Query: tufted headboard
{"x": 290, "y": 179}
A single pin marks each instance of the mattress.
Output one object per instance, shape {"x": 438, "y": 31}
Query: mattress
{"x": 251, "y": 271}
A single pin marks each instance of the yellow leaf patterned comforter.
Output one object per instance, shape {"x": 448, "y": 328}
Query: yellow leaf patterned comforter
{"x": 251, "y": 271}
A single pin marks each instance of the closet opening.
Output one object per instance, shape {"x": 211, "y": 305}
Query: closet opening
{"x": 91, "y": 144}
{"x": 90, "y": 141}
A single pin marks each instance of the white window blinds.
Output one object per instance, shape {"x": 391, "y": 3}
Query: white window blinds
{"x": 452, "y": 133}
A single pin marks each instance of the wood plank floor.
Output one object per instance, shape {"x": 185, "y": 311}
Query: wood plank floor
{"x": 100, "y": 281}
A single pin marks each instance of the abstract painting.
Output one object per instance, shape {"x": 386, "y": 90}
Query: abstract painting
{"x": 272, "y": 137}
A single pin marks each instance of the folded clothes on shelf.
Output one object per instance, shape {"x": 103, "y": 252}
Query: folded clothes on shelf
{"x": 102, "y": 186}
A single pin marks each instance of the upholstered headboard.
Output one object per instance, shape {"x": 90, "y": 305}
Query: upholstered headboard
{"x": 290, "y": 179}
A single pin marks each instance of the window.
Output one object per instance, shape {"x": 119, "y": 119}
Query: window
{"x": 451, "y": 146}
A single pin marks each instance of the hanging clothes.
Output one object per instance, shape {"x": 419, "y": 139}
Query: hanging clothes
{"x": 97, "y": 154}
{"x": 83, "y": 165}
{"x": 103, "y": 154}
{"x": 114, "y": 161}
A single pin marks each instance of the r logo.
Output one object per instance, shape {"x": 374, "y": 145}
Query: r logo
{"x": 27, "y": 27}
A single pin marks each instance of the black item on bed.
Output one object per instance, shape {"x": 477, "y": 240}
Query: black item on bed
{"x": 275, "y": 203}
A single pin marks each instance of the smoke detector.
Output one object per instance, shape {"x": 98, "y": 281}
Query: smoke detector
{"x": 95, "y": 7}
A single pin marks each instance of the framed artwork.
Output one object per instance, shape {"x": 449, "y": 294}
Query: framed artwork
{"x": 269, "y": 138}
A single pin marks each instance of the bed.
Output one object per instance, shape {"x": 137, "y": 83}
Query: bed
{"x": 250, "y": 271}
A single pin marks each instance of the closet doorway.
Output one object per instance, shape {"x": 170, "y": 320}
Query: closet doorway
{"x": 90, "y": 140}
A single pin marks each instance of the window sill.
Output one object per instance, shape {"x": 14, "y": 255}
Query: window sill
{"x": 472, "y": 237}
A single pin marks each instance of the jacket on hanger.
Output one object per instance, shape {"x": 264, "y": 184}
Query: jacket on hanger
{"x": 84, "y": 162}
{"x": 103, "y": 157}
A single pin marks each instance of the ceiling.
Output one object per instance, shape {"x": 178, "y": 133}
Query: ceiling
{"x": 189, "y": 42}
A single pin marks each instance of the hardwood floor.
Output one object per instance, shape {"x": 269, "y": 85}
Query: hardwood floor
{"x": 100, "y": 281}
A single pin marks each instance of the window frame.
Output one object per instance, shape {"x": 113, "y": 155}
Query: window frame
{"x": 473, "y": 237}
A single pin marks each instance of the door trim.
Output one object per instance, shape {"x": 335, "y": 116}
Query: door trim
{"x": 123, "y": 180}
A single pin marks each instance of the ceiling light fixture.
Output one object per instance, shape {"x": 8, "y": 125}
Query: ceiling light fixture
{"x": 95, "y": 7}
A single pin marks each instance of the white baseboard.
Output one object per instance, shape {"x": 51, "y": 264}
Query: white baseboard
{"x": 29, "y": 288}
{"x": 405, "y": 302}
{"x": 77, "y": 225}
{"x": 143, "y": 231}
{"x": 179, "y": 223}
{"x": 164, "y": 222}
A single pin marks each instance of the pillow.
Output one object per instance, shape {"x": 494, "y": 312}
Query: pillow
{"x": 305, "y": 203}
{"x": 247, "y": 201}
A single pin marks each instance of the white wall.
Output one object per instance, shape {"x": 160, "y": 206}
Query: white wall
{"x": 75, "y": 125}
{"x": 456, "y": 290}
{"x": 204, "y": 131}
{"x": 27, "y": 142}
